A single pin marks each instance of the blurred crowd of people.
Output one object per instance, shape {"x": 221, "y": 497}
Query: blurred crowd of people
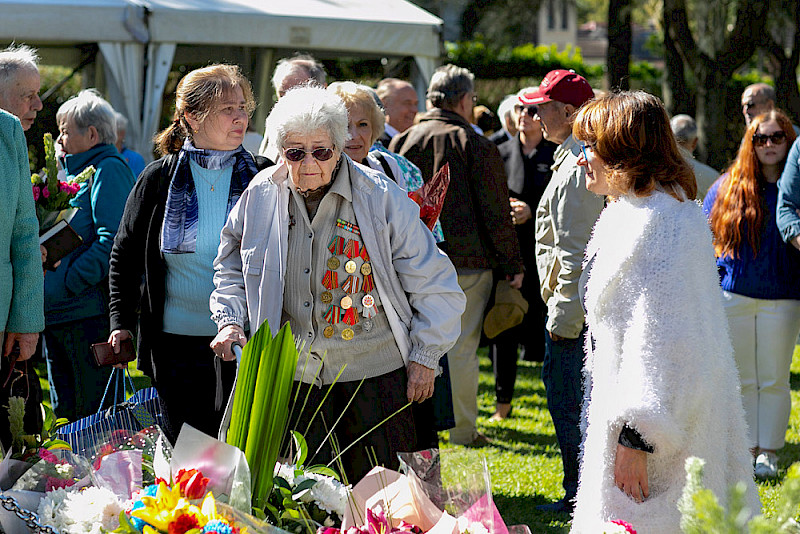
{"x": 568, "y": 235}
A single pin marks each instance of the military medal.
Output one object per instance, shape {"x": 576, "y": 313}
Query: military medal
{"x": 366, "y": 324}
{"x": 326, "y": 297}
{"x": 366, "y": 269}
{"x": 331, "y": 279}
{"x": 368, "y": 303}
{"x": 346, "y": 302}
{"x": 350, "y": 267}
{"x": 333, "y": 314}
{"x": 350, "y": 316}
{"x": 350, "y": 227}
{"x": 369, "y": 284}
{"x": 352, "y": 284}
{"x": 351, "y": 250}
{"x": 336, "y": 245}
{"x": 347, "y": 334}
{"x": 328, "y": 332}
{"x": 333, "y": 263}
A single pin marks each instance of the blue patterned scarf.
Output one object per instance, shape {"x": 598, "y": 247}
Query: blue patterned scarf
{"x": 179, "y": 230}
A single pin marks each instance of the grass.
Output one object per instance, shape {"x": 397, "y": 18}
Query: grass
{"x": 524, "y": 461}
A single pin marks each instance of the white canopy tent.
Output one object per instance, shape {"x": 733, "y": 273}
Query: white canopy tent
{"x": 139, "y": 39}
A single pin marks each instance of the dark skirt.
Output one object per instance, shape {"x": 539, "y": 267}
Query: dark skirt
{"x": 376, "y": 399}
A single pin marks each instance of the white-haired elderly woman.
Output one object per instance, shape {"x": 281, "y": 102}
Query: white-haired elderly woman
{"x": 339, "y": 252}
{"x": 76, "y": 294}
{"x": 366, "y": 122}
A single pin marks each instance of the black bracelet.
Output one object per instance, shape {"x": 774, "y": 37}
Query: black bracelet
{"x": 630, "y": 437}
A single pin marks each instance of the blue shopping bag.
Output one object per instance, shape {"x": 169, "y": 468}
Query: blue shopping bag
{"x": 130, "y": 414}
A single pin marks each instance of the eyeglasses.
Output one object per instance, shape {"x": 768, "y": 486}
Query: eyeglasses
{"x": 298, "y": 154}
{"x": 530, "y": 110}
{"x": 777, "y": 138}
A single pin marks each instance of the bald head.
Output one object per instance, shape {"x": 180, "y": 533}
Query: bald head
{"x": 297, "y": 70}
{"x": 400, "y": 102}
{"x": 757, "y": 98}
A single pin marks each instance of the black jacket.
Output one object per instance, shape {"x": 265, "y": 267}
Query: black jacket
{"x": 137, "y": 269}
{"x": 476, "y": 216}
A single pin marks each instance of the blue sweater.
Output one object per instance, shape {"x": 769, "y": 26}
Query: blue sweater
{"x": 20, "y": 259}
{"x": 772, "y": 273}
{"x": 78, "y": 289}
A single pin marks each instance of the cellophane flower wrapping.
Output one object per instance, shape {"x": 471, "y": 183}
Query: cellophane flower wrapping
{"x": 458, "y": 482}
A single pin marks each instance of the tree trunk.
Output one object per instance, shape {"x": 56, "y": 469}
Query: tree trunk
{"x": 678, "y": 97}
{"x": 620, "y": 42}
{"x": 712, "y": 92}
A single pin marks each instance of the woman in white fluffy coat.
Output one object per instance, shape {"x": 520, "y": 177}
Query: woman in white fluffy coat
{"x": 661, "y": 381}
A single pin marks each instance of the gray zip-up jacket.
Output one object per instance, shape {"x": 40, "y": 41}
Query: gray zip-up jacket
{"x": 416, "y": 282}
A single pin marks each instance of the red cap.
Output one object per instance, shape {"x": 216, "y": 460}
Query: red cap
{"x": 562, "y": 86}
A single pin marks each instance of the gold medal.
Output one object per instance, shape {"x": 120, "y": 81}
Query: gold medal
{"x": 326, "y": 297}
{"x": 333, "y": 263}
{"x": 350, "y": 267}
{"x": 366, "y": 268}
{"x": 328, "y": 332}
{"x": 347, "y": 302}
{"x": 347, "y": 334}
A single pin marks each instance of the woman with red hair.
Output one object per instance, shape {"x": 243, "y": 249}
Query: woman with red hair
{"x": 758, "y": 276}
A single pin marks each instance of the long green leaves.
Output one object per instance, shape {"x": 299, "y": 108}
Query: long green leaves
{"x": 261, "y": 403}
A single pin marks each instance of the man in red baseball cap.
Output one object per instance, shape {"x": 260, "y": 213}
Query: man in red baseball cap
{"x": 565, "y": 216}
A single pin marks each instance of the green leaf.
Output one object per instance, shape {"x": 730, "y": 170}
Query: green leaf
{"x": 304, "y": 485}
{"x": 301, "y": 448}
{"x": 323, "y": 470}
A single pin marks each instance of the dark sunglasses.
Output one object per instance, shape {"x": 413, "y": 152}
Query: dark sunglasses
{"x": 777, "y": 138}
{"x": 530, "y": 110}
{"x": 298, "y": 154}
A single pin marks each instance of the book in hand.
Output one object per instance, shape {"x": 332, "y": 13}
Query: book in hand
{"x": 59, "y": 241}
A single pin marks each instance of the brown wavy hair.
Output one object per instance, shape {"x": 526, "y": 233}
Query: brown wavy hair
{"x": 197, "y": 93}
{"x": 630, "y": 132}
{"x": 739, "y": 207}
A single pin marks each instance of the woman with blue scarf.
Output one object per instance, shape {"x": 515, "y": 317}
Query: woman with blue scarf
{"x": 168, "y": 239}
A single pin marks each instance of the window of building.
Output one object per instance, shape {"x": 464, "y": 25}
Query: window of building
{"x": 551, "y": 15}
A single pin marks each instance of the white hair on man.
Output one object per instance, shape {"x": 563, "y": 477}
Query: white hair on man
{"x": 684, "y": 128}
{"x": 16, "y": 58}
{"x": 295, "y": 70}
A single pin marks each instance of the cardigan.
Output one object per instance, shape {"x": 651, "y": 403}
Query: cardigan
{"x": 136, "y": 257}
{"x": 21, "y": 296}
{"x": 659, "y": 359}
{"x": 772, "y": 272}
{"x": 78, "y": 288}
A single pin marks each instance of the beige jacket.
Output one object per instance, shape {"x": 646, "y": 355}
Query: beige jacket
{"x": 565, "y": 216}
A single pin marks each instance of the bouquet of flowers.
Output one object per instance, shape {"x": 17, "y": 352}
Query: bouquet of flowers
{"x": 52, "y": 195}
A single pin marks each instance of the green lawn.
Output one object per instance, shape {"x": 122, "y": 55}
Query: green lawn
{"x": 524, "y": 462}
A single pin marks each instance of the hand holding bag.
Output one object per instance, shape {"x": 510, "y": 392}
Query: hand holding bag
{"x": 142, "y": 409}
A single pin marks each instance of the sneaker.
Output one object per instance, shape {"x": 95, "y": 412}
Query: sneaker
{"x": 766, "y": 465}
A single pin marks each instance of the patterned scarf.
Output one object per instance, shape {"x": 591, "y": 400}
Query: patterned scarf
{"x": 179, "y": 229}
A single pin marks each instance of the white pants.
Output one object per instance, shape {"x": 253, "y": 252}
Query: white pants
{"x": 763, "y": 334}
{"x": 463, "y": 357}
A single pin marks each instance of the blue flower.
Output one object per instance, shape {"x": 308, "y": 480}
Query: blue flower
{"x": 217, "y": 526}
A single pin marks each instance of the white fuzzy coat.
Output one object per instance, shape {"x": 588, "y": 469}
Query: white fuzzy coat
{"x": 662, "y": 363}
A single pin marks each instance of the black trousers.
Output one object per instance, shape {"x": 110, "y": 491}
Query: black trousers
{"x": 376, "y": 399}
{"x": 186, "y": 382}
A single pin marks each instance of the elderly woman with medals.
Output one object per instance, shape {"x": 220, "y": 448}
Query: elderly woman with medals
{"x": 339, "y": 252}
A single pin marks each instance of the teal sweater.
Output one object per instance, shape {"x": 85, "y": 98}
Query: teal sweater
{"x": 78, "y": 289}
{"x": 20, "y": 259}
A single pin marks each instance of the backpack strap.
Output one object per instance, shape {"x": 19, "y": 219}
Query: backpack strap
{"x": 387, "y": 170}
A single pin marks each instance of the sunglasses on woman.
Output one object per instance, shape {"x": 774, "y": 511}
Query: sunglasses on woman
{"x": 529, "y": 110}
{"x": 777, "y": 138}
{"x": 298, "y": 154}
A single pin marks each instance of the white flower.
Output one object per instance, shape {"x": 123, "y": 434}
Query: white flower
{"x": 327, "y": 493}
{"x": 64, "y": 470}
{"x": 613, "y": 528}
{"x": 465, "y": 526}
{"x": 92, "y": 510}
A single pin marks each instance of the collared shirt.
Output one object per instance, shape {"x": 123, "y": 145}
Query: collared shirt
{"x": 390, "y": 130}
